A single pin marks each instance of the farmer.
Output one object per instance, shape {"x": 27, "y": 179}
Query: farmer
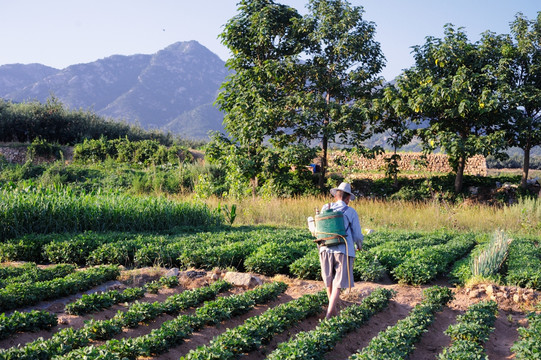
{"x": 337, "y": 260}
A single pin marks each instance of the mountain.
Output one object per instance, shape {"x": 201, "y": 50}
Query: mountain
{"x": 173, "y": 89}
{"x": 18, "y": 76}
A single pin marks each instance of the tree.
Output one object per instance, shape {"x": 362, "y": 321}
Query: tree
{"x": 264, "y": 39}
{"x": 520, "y": 72}
{"x": 453, "y": 86}
{"x": 296, "y": 80}
{"x": 343, "y": 60}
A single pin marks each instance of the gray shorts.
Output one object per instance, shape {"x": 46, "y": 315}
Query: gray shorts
{"x": 333, "y": 269}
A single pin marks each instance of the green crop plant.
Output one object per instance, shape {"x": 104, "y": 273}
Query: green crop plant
{"x": 316, "y": 343}
{"x": 30, "y": 272}
{"x": 172, "y": 332}
{"x": 67, "y": 340}
{"x": 470, "y": 332}
{"x": 26, "y": 321}
{"x": 422, "y": 265}
{"x": 524, "y": 263}
{"x": 461, "y": 270}
{"x": 45, "y": 211}
{"x": 275, "y": 257}
{"x": 528, "y": 346}
{"x": 103, "y": 300}
{"x": 489, "y": 261}
{"x": 307, "y": 267}
{"x": 22, "y": 294}
{"x": 397, "y": 342}
{"x": 260, "y": 329}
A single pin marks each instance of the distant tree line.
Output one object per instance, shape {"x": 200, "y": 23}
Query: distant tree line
{"x": 52, "y": 122}
{"x": 514, "y": 161}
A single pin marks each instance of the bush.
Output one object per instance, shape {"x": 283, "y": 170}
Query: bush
{"x": 143, "y": 152}
{"x": 42, "y": 148}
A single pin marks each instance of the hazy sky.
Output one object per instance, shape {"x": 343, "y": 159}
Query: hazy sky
{"x": 60, "y": 33}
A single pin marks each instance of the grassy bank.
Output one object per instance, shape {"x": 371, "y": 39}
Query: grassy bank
{"x": 523, "y": 218}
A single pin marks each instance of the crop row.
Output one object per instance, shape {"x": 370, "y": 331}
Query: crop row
{"x": 521, "y": 268}
{"x": 30, "y": 272}
{"x": 391, "y": 253}
{"x": 315, "y": 343}
{"x": 26, "y": 321}
{"x": 528, "y": 347}
{"x": 98, "y": 301}
{"x": 260, "y": 329}
{"x": 209, "y": 249}
{"x": 470, "y": 332}
{"x": 524, "y": 263}
{"x": 46, "y": 211}
{"x": 416, "y": 259}
{"x": 397, "y": 342}
{"x": 22, "y": 294}
{"x": 366, "y": 267}
{"x": 174, "y": 331}
{"x": 423, "y": 265}
{"x": 68, "y": 339}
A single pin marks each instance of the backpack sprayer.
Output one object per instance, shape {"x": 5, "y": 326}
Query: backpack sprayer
{"x": 329, "y": 229}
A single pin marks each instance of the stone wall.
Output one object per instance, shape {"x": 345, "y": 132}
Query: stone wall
{"x": 14, "y": 154}
{"x": 17, "y": 155}
{"x": 437, "y": 163}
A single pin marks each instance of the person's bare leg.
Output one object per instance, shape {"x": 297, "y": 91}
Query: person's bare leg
{"x": 333, "y": 301}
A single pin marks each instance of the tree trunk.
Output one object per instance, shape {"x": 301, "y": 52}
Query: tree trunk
{"x": 460, "y": 174}
{"x": 255, "y": 183}
{"x": 525, "y": 167}
{"x": 324, "y": 145}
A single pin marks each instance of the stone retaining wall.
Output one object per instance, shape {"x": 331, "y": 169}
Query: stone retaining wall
{"x": 437, "y": 163}
{"x": 17, "y": 155}
{"x": 13, "y": 155}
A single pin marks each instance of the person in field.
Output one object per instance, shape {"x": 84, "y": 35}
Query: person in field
{"x": 337, "y": 260}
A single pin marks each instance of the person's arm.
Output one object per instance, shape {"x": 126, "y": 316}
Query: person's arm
{"x": 356, "y": 230}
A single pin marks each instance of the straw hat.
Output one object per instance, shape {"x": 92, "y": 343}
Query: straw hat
{"x": 345, "y": 187}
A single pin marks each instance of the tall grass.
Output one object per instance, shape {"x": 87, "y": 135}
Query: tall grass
{"x": 523, "y": 217}
{"x": 45, "y": 211}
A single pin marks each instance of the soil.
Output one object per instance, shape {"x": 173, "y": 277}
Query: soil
{"x": 511, "y": 316}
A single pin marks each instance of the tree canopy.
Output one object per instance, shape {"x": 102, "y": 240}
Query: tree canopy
{"x": 299, "y": 80}
{"x": 520, "y": 75}
{"x": 452, "y": 87}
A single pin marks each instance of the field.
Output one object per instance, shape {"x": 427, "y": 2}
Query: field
{"x": 116, "y": 274}
{"x": 408, "y": 282}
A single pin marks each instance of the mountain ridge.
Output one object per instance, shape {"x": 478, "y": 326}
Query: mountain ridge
{"x": 156, "y": 91}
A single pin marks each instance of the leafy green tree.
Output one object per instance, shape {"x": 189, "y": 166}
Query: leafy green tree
{"x": 520, "y": 72}
{"x": 298, "y": 80}
{"x": 453, "y": 86}
{"x": 282, "y": 170}
{"x": 264, "y": 39}
{"x": 342, "y": 64}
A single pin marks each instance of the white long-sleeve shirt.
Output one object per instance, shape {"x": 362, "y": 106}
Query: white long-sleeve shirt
{"x": 354, "y": 233}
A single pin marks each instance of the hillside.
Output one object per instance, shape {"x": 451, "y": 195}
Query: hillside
{"x": 173, "y": 89}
